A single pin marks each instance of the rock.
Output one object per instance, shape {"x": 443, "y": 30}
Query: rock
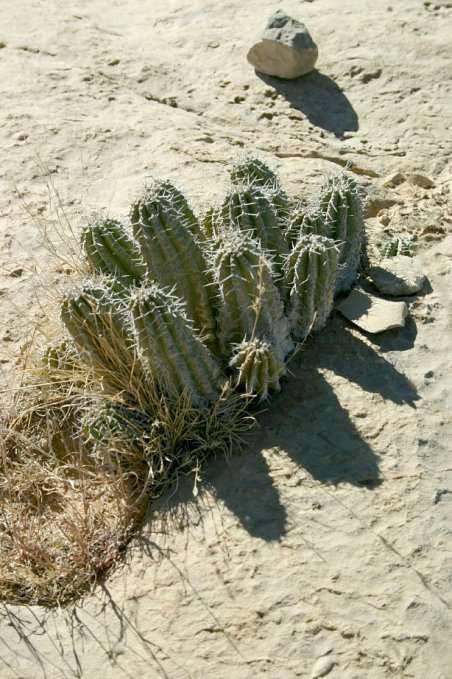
{"x": 393, "y": 180}
{"x": 396, "y": 276}
{"x": 373, "y": 314}
{"x": 421, "y": 180}
{"x": 284, "y": 49}
{"x": 322, "y": 667}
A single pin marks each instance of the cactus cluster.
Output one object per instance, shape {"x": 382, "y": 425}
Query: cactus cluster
{"x": 201, "y": 302}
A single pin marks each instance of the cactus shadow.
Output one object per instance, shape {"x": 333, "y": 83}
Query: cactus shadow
{"x": 308, "y": 423}
{"x": 319, "y": 98}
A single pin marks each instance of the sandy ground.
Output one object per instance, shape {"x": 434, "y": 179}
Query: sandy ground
{"x": 325, "y": 548}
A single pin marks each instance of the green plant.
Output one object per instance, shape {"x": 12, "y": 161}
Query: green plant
{"x": 311, "y": 273}
{"x": 398, "y": 246}
{"x": 251, "y": 306}
{"x": 255, "y": 172}
{"x": 342, "y": 220}
{"x": 167, "y": 231}
{"x": 171, "y": 349}
{"x": 257, "y": 367}
{"x": 109, "y": 250}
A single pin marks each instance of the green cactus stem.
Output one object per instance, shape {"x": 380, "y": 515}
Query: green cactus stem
{"x": 398, "y": 246}
{"x": 171, "y": 349}
{"x": 60, "y": 356}
{"x": 311, "y": 272}
{"x": 302, "y": 221}
{"x": 172, "y": 254}
{"x": 255, "y": 172}
{"x": 251, "y": 305}
{"x": 250, "y": 209}
{"x": 96, "y": 318}
{"x": 341, "y": 207}
{"x": 257, "y": 366}
{"x": 110, "y": 251}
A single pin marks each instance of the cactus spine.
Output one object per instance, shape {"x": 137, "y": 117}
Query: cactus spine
{"x": 311, "y": 272}
{"x": 171, "y": 349}
{"x": 172, "y": 255}
{"x": 251, "y": 305}
{"x": 258, "y": 367}
{"x": 341, "y": 209}
{"x": 110, "y": 251}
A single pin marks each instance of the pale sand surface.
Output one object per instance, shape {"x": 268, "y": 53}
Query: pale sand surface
{"x": 326, "y": 546}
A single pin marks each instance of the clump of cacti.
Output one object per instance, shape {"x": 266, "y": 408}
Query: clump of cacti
{"x": 194, "y": 302}
{"x": 398, "y": 246}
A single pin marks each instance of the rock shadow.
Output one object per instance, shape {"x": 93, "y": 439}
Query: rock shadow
{"x": 319, "y": 98}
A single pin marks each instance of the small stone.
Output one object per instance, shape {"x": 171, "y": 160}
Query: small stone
{"x": 284, "y": 49}
{"x": 322, "y": 667}
{"x": 421, "y": 180}
{"x": 397, "y": 276}
{"x": 393, "y": 180}
{"x": 373, "y": 314}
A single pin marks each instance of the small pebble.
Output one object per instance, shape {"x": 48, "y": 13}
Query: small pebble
{"x": 322, "y": 667}
{"x": 421, "y": 180}
{"x": 372, "y": 314}
{"x": 393, "y": 180}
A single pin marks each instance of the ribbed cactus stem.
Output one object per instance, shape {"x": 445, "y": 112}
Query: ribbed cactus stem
{"x": 60, "y": 356}
{"x": 341, "y": 207}
{"x": 302, "y": 221}
{"x": 110, "y": 251}
{"x": 171, "y": 349}
{"x": 251, "y": 305}
{"x": 255, "y": 172}
{"x": 311, "y": 272}
{"x": 257, "y": 366}
{"x": 173, "y": 256}
{"x": 175, "y": 198}
{"x": 250, "y": 209}
{"x": 95, "y": 318}
{"x": 398, "y": 246}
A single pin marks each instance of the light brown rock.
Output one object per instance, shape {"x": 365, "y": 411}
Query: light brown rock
{"x": 392, "y": 180}
{"x": 397, "y": 276}
{"x": 421, "y": 180}
{"x": 371, "y": 313}
{"x": 285, "y": 48}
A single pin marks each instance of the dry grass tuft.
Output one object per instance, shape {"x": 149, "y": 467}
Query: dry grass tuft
{"x": 68, "y": 505}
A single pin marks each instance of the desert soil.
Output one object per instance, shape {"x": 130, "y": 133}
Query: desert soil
{"x": 324, "y": 549}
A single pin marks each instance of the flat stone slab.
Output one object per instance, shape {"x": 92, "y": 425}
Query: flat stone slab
{"x": 371, "y": 313}
{"x": 284, "y": 49}
{"x": 397, "y": 276}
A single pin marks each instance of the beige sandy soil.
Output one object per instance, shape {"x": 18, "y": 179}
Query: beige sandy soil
{"x": 324, "y": 549}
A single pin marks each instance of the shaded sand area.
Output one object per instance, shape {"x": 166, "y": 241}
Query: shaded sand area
{"x": 324, "y": 549}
